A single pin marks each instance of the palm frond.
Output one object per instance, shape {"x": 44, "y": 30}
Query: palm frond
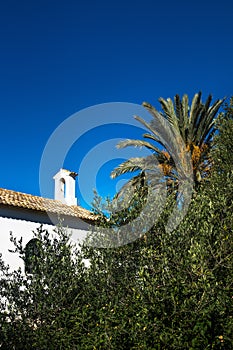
{"x": 168, "y": 108}
{"x": 145, "y": 124}
{"x": 135, "y": 164}
{"x": 136, "y": 143}
{"x": 179, "y": 114}
{"x": 201, "y": 120}
{"x": 156, "y": 129}
{"x": 195, "y": 110}
{"x": 185, "y": 108}
{"x": 209, "y": 120}
{"x": 162, "y": 129}
{"x": 181, "y": 136}
{"x": 158, "y": 120}
{"x": 152, "y": 137}
{"x": 128, "y": 166}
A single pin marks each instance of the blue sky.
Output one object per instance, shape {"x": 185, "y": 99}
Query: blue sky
{"x": 59, "y": 57}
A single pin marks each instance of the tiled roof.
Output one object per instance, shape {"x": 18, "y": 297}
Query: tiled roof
{"x": 28, "y": 201}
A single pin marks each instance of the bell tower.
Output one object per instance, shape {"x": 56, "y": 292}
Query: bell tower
{"x": 65, "y": 187}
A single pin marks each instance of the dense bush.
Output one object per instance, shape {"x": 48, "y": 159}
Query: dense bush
{"x": 162, "y": 291}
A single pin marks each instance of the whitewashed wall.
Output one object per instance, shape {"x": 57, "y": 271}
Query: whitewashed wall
{"x": 24, "y": 228}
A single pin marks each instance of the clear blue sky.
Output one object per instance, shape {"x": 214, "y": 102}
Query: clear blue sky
{"x": 58, "y": 57}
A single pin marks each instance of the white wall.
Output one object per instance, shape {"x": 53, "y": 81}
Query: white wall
{"x": 24, "y": 228}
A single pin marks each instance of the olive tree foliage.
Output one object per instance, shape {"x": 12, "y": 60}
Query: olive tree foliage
{"x": 173, "y": 290}
{"x": 37, "y": 306}
{"x": 163, "y": 291}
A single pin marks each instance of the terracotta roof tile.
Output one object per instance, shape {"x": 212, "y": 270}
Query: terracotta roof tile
{"x": 28, "y": 201}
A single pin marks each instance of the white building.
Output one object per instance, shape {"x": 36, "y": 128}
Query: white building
{"x": 22, "y": 214}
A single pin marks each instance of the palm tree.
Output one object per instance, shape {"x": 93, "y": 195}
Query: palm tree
{"x": 178, "y": 129}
